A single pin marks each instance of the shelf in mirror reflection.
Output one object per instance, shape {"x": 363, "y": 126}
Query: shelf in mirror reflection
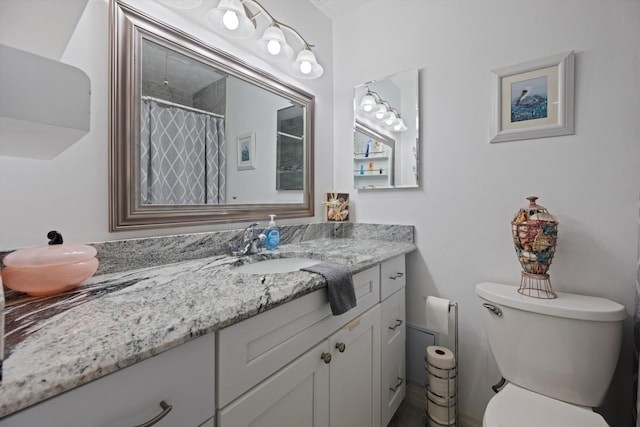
{"x": 371, "y": 158}
{"x": 369, "y": 173}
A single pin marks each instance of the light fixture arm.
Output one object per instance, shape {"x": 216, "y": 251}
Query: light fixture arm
{"x": 379, "y": 100}
{"x": 238, "y": 19}
{"x": 274, "y": 22}
{"x": 388, "y": 110}
{"x": 376, "y": 96}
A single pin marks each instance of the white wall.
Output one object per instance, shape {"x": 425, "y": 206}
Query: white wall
{"x": 246, "y": 105}
{"x": 470, "y": 188}
{"x": 70, "y": 192}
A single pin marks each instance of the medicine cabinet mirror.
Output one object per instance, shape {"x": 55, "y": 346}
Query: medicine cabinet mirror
{"x": 386, "y": 132}
{"x": 197, "y": 136}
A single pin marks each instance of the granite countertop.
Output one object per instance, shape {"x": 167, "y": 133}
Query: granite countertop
{"x": 113, "y": 320}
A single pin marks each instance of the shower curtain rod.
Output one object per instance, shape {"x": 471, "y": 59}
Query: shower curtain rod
{"x": 173, "y": 104}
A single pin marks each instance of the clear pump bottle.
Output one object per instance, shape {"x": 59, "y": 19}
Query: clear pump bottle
{"x": 273, "y": 235}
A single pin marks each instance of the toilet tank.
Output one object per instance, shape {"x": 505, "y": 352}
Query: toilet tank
{"x": 565, "y": 348}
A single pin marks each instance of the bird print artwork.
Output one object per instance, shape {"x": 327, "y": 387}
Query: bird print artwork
{"x": 529, "y": 99}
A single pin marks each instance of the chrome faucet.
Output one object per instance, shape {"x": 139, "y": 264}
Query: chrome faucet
{"x": 250, "y": 241}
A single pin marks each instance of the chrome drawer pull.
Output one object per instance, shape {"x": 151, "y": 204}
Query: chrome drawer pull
{"x": 398, "y": 384}
{"x": 397, "y": 276}
{"x": 166, "y": 408}
{"x": 492, "y": 308}
{"x": 326, "y": 357}
{"x": 341, "y": 347}
{"x": 398, "y": 323}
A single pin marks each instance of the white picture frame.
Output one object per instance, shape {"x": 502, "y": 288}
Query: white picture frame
{"x": 246, "y": 144}
{"x": 533, "y": 99}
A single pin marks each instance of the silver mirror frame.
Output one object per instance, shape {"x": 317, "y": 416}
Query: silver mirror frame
{"x": 127, "y": 26}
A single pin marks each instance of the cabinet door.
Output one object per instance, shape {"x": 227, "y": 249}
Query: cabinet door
{"x": 298, "y": 395}
{"x": 354, "y": 397}
{"x": 183, "y": 377}
{"x": 394, "y": 384}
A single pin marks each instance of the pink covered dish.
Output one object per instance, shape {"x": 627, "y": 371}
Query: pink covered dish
{"x": 49, "y": 270}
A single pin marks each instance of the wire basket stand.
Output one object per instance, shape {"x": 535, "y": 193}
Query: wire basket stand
{"x": 536, "y": 286}
{"x": 450, "y": 401}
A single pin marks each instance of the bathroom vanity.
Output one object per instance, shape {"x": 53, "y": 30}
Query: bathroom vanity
{"x": 240, "y": 349}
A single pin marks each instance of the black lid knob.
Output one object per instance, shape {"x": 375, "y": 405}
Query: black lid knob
{"x": 54, "y": 237}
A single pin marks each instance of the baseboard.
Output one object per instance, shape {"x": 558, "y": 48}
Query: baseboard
{"x": 415, "y": 397}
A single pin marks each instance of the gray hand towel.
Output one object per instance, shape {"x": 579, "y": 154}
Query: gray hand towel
{"x": 342, "y": 294}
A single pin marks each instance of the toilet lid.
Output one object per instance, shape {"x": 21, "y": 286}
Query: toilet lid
{"x": 515, "y": 406}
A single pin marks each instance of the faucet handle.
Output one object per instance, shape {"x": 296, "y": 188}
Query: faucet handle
{"x": 249, "y": 232}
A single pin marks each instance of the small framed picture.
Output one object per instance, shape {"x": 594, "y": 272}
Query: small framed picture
{"x": 247, "y": 151}
{"x": 533, "y": 99}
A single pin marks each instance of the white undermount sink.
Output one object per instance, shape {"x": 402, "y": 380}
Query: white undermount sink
{"x": 277, "y": 265}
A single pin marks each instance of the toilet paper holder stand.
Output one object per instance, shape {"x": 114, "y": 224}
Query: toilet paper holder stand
{"x": 454, "y": 306}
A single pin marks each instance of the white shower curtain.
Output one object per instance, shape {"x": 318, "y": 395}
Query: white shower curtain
{"x": 182, "y": 156}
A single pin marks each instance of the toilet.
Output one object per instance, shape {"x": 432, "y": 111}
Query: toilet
{"x": 557, "y": 356}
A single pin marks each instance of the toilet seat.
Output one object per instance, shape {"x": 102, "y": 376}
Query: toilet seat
{"x": 515, "y": 406}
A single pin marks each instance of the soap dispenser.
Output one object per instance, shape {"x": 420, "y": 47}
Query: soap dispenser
{"x": 273, "y": 235}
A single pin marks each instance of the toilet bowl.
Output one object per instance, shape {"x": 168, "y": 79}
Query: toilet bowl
{"x": 514, "y": 406}
{"x": 557, "y": 355}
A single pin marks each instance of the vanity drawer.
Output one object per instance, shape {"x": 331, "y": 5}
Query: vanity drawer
{"x": 252, "y": 350}
{"x": 393, "y": 330}
{"x": 392, "y": 276}
{"x": 183, "y": 377}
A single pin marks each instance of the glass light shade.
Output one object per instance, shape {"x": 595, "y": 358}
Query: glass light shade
{"x": 389, "y": 118}
{"x": 230, "y": 20}
{"x": 379, "y": 111}
{"x": 273, "y": 45}
{"x": 398, "y": 125}
{"x": 367, "y": 103}
{"x": 306, "y": 66}
{"x": 182, "y": 4}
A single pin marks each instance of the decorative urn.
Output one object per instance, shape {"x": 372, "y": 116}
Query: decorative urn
{"x": 535, "y": 232}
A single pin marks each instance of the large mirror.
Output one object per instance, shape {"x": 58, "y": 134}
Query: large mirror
{"x": 199, "y": 137}
{"x": 386, "y": 132}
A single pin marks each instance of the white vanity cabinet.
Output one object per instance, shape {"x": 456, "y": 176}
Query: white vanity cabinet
{"x": 293, "y": 365}
{"x": 392, "y": 336}
{"x": 182, "y": 377}
{"x": 335, "y": 384}
{"x": 298, "y": 365}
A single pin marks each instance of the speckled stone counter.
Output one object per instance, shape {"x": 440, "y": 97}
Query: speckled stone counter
{"x": 118, "y": 318}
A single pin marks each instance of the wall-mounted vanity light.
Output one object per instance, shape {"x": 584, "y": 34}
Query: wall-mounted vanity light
{"x": 380, "y": 109}
{"x": 237, "y": 19}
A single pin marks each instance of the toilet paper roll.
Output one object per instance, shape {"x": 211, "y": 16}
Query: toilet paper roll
{"x": 443, "y": 411}
{"x": 440, "y": 357}
{"x": 441, "y": 373}
{"x": 442, "y": 387}
{"x": 437, "y": 314}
